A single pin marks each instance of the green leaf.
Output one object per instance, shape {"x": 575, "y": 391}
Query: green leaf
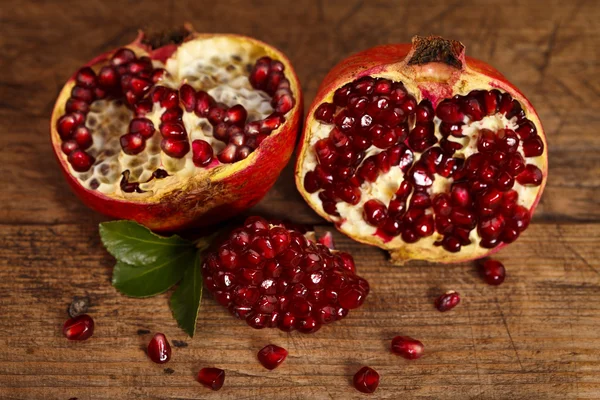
{"x": 152, "y": 279}
{"x": 134, "y": 244}
{"x": 185, "y": 301}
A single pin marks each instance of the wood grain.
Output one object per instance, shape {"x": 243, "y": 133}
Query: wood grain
{"x": 534, "y": 337}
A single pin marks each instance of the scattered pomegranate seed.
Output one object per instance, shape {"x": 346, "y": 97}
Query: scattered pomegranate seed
{"x": 366, "y": 380}
{"x": 407, "y": 347}
{"x": 79, "y": 328}
{"x": 212, "y": 378}
{"x": 272, "y": 356}
{"x": 447, "y": 301}
{"x": 159, "y": 349}
{"x": 493, "y": 272}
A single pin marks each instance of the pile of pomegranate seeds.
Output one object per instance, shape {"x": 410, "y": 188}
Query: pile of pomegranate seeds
{"x": 407, "y": 347}
{"x": 230, "y": 132}
{"x": 493, "y": 272}
{"x": 272, "y": 356}
{"x": 79, "y": 328}
{"x": 273, "y": 276}
{"x": 159, "y": 349}
{"x": 212, "y": 378}
{"x": 379, "y": 128}
{"x": 366, "y": 380}
{"x": 447, "y": 301}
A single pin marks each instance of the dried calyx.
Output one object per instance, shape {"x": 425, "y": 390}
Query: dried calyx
{"x": 423, "y": 152}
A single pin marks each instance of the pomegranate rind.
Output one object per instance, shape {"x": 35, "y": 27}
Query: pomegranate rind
{"x": 433, "y": 80}
{"x": 211, "y": 195}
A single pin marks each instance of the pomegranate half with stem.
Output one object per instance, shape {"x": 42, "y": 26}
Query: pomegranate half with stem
{"x": 178, "y": 130}
{"x": 423, "y": 151}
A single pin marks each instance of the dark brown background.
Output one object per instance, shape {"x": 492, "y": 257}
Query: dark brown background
{"x": 535, "y": 337}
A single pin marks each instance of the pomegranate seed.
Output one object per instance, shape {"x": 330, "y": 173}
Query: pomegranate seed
{"x": 122, "y": 56}
{"x": 348, "y": 261}
{"x": 325, "y": 112}
{"x": 311, "y": 185}
{"x": 340, "y": 97}
{"x": 531, "y": 175}
{"x": 202, "y": 153}
{"x": 65, "y": 126}
{"x": 507, "y": 141}
{"x": 366, "y": 380}
{"x": 69, "y": 146}
{"x": 491, "y": 228}
{"x": 272, "y": 122}
{"x": 382, "y": 86}
{"x": 170, "y": 99}
{"x": 374, "y": 212}
{"x": 533, "y": 146}
{"x": 451, "y": 244}
{"x": 83, "y": 137}
{"x": 132, "y": 143}
{"x": 407, "y": 347}
{"x": 527, "y": 130}
{"x": 157, "y": 75}
{"x": 272, "y": 356}
{"x": 80, "y": 160}
{"x": 515, "y": 164}
{"x": 449, "y": 112}
{"x": 86, "y": 77}
{"x": 424, "y": 226}
{"x": 84, "y": 94}
{"x": 242, "y": 153}
{"x": 143, "y": 126}
{"x": 473, "y": 109}
{"x": 173, "y": 130}
{"x": 204, "y": 102}
{"x": 175, "y": 148}
{"x": 159, "y": 349}
{"x": 236, "y": 115}
{"x": 504, "y": 181}
{"x": 79, "y": 328}
{"x": 460, "y": 195}
{"x": 74, "y": 105}
{"x": 447, "y": 301}
{"x": 107, "y": 77}
{"x": 228, "y": 154}
{"x": 283, "y": 101}
{"x": 140, "y": 86}
{"x": 212, "y": 378}
{"x": 187, "y": 95}
{"x": 493, "y": 272}
{"x": 491, "y": 100}
{"x": 424, "y": 111}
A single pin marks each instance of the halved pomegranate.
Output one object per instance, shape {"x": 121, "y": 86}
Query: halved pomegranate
{"x": 423, "y": 151}
{"x": 178, "y": 130}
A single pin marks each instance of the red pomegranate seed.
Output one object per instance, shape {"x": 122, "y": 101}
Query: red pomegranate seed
{"x": 424, "y": 226}
{"x": 202, "y": 153}
{"x": 85, "y": 94}
{"x": 83, "y": 137}
{"x": 86, "y": 77}
{"x": 175, "y": 148}
{"x": 65, "y": 126}
{"x": 366, "y": 380}
{"x": 272, "y": 356}
{"x": 533, "y": 146}
{"x": 272, "y": 122}
{"x": 159, "y": 349}
{"x": 204, "y": 102}
{"x": 132, "y": 143}
{"x": 69, "y": 146}
{"x": 108, "y": 77}
{"x": 236, "y": 115}
{"x": 228, "y": 154}
{"x": 493, "y": 272}
{"x": 491, "y": 100}
{"x": 340, "y": 97}
{"x": 140, "y": 86}
{"x": 157, "y": 75}
{"x": 187, "y": 95}
{"x": 173, "y": 130}
{"x": 283, "y": 101}
{"x": 507, "y": 140}
{"x": 451, "y": 244}
{"x": 79, "y": 328}
{"x": 212, "y": 378}
{"x": 122, "y": 56}
{"x": 80, "y": 160}
{"x": 424, "y": 111}
{"x": 170, "y": 99}
{"x": 143, "y": 126}
{"x": 374, "y": 212}
{"x": 242, "y": 153}
{"x": 473, "y": 108}
{"x": 491, "y": 228}
{"x": 260, "y": 73}
{"x": 531, "y": 175}
{"x": 449, "y": 112}
{"x": 447, "y": 301}
{"x": 76, "y": 105}
{"x": 407, "y": 347}
{"x": 352, "y": 298}
{"x": 515, "y": 164}
{"x": 325, "y": 112}
{"x": 527, "y": 130}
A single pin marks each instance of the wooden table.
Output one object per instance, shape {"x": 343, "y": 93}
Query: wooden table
{"x": 535, "y": 337}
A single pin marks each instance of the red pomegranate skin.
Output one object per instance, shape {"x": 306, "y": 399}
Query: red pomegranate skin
{"x": 214, "y": 199}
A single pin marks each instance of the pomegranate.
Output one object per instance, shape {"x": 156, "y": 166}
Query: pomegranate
{"x": 177, "y": 131}
{"x": 275, "y": 275}
{"x": 423, "y": 151}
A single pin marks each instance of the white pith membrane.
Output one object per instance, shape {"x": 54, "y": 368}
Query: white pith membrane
{"x": 351, "y": 220}
{"x": 219, "y": 66}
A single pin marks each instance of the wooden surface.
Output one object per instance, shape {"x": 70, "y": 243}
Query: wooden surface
{"x": 535, "y": 337}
